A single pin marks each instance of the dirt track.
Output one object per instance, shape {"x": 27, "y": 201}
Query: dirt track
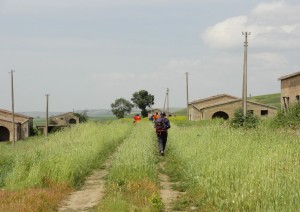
{"x": 167, "y": 193}
{"x": 93, "y": 191}
{"x": 90, "y": 194}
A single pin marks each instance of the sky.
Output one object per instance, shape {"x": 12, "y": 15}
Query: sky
{"x": 87, "y": 53}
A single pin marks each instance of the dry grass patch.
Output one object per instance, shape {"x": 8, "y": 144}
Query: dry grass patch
{"x": 33, "y": 199}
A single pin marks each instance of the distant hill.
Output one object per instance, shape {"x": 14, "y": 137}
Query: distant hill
{"x": 268, "y": 99}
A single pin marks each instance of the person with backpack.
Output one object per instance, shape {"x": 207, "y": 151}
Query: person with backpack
{"x": 162, "y": 124}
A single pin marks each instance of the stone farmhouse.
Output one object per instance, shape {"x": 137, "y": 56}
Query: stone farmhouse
{"x": 290, "y": 89}
{"x": 64, "y": 119}
{"x": 224, "y": 106}
{"x": 23, "y": 126}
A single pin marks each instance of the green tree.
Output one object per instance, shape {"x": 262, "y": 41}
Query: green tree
{"x": 142, "y": 100}
{"x": 83, "y": 117}
{"x": 121, "y": 107}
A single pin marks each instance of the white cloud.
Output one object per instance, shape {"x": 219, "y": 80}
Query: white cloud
{"x": 275, "y": 25}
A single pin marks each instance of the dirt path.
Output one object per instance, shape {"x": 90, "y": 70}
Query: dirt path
{"x": 167, "y": 193}
{"x": 91, "y": 192}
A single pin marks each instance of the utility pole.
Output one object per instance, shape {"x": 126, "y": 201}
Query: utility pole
{"x": 168, "y": 109}
{"x": 13, "y": 106}
{"x": 187, "y": 96}
{"x": 244, "y": 96}
{"x": 47, "y": 121}
{"x": 166, "y": 101}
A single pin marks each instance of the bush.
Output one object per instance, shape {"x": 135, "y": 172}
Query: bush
{"x": 238, "y": 120}
{"x": 288, "y": 118}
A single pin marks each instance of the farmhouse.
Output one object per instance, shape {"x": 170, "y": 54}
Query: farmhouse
{"x": 23, "y": 126}
{"x": 64, "y": 119}
{"x": 290, "y": 89}
{"x": 224, "y": 106}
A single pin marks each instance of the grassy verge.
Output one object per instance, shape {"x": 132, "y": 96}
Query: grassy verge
{"x": 132, "y": 180}
{"x": 236, "y": 170}
{"x": 64, "y": 158}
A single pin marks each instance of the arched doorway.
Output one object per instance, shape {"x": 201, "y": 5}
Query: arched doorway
{"x": 72, "y": 121}
{"x": 4, "y": 134}
{"x": 220, "y": 114}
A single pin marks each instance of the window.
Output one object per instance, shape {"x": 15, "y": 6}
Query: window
{"x": 286, "y": 101}
{"x": 264, "y": 112}
{"x": 61, "y": 118}
{"x": 297, "y": 98}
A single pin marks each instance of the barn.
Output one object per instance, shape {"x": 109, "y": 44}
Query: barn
{"x": 23, "y": 126}
{"x": 224, "y": 106}
{"x": 290, "y": 89}
{"x": 64, "y": 119}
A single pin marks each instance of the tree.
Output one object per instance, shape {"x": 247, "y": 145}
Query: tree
{"x": 142, "y": 100}
{"x": 83, "y": 117}
{"x": 121, "y": 107}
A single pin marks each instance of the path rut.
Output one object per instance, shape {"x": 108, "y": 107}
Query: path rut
{"x": 167, "y": 193}
{"x": 91, "y": 192}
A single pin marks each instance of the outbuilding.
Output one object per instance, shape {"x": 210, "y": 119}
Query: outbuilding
{"x": 224, "y": 106}
{"x": 290, "y": 89}
{"x": 64, "y": 119}
{"x": 23, "y": 126}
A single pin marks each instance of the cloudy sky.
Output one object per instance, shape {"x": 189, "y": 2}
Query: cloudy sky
{"x": 87, "y": 53}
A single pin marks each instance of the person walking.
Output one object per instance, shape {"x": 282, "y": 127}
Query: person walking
{"x": 136, "y": 118}
{"x": 162, "y": 124}
{"x": 155, "y": 116}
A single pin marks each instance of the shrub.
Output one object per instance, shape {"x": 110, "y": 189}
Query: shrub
{"x": 288, "y": 118}
{"x": 238, "y": 120}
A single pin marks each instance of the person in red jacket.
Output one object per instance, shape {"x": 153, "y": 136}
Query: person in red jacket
{"x": 155, "y": 116}
{"x": 136, "y": 118}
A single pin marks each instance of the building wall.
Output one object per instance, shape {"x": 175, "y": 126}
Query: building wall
{"x": 8, "y": 125}
{"x": 290, "y": 87}
{"x": 231, "y": 108}
{"x": 194, "y": 113}
{"x": 63, "y": 119}
{"x": 23, "y": 125}
{"x": 211, "y": 101}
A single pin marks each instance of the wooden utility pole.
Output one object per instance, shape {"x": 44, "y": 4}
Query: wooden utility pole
{"x": 187, "y": 96}
{"x": 13, "y": 107}
{"x": 47, "y": 121}
{"x": 244, "y": 96}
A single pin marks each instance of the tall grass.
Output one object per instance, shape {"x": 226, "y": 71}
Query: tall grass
{"x": 235, "y": 169}
{"x": 132, "y": 180}
{"x": 64, "y": 157}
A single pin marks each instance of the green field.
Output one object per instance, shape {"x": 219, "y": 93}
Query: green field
{"x": 219, "y": 168}
{"x": 269, "y": 99}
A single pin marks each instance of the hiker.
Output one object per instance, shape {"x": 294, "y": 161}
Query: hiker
{"x": 136, "y": 118}
{"x": 162, "y": 124}
{"x": 155, "y": 116}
